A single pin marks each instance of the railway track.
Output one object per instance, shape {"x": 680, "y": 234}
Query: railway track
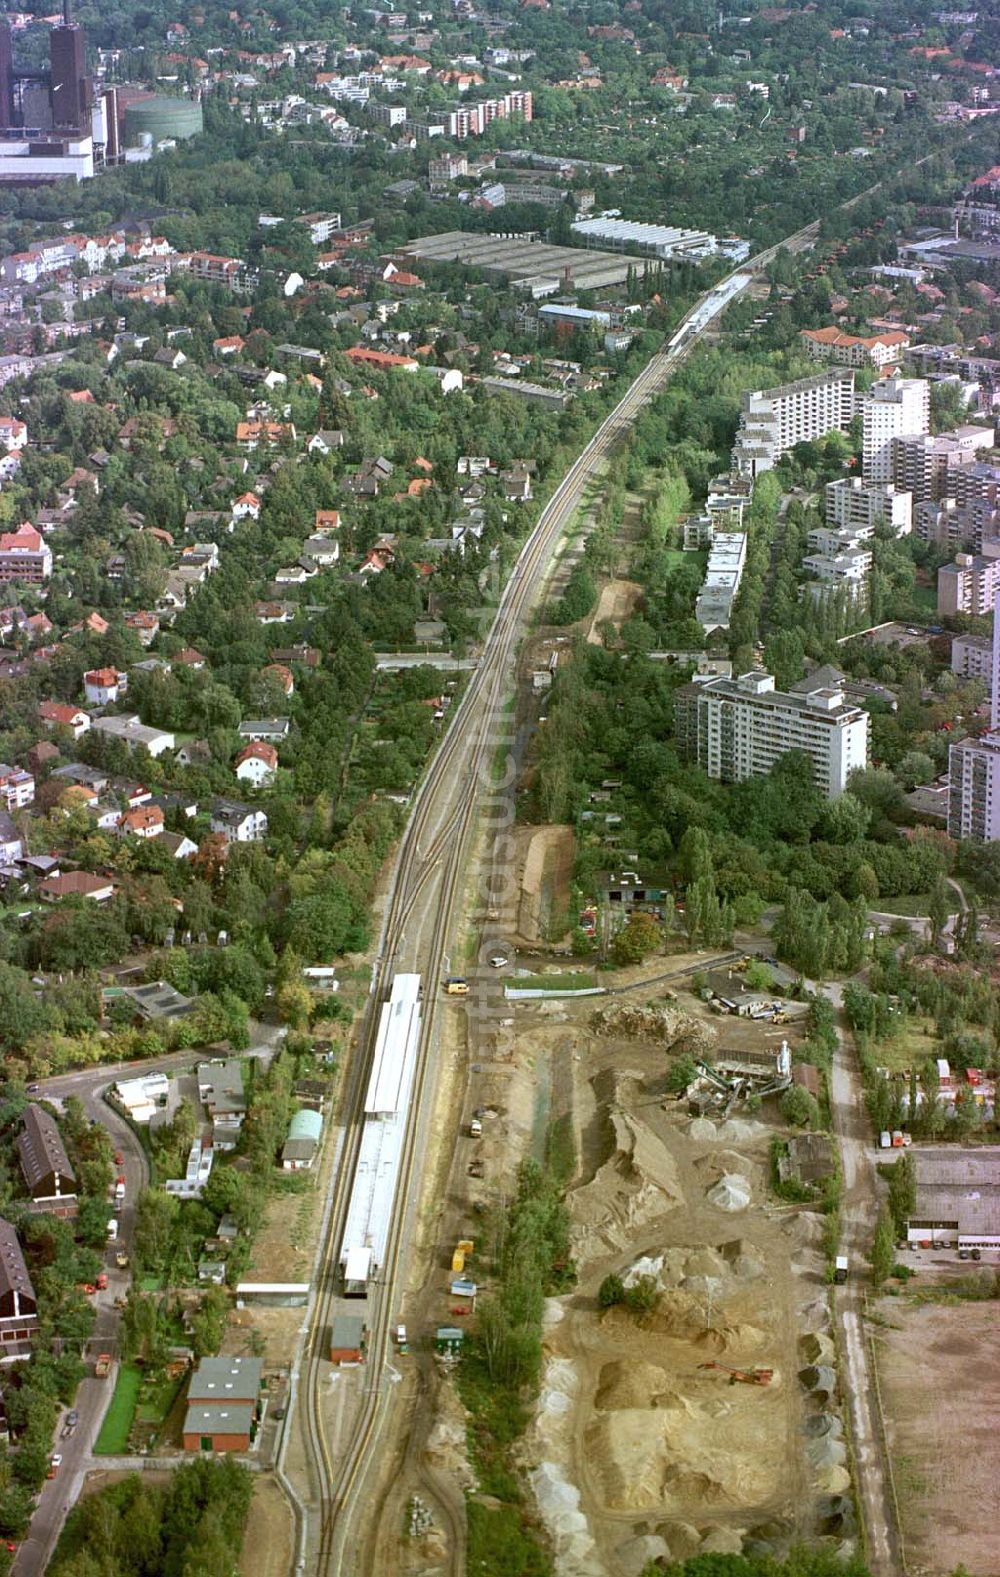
{"x": 435, "y": 845}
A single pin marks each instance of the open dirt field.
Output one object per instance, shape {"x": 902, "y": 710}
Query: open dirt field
{"x": 617, "y": 602}
{"x": 941, "y": 1394}
{"x": 546, "y": 855}
{"x": 268, "y": 1545}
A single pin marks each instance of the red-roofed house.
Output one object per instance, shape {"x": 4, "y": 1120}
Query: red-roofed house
{"x": 283, "y": 675}
{"x": 228, "y": 345}
{"x": 13, "y": 434}
{"x": 145, "y": 625}
{"x": 247, "y": 506}
{"x": 24, "y": 556}
{"x": 257, "y": 763}
{"x": 381, "y": 360}
{"x": 103, "y": 686}
{"x": 55, "y": 715}
{"x": 851, "y": 350}
{"x": 145, "y": 821}
{"x": 76, "y": 884}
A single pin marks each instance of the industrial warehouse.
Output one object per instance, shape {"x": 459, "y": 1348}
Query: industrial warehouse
{"x": 387, "y": 1102}
{"x": 532, "y": 264}
{"x": 958, "y": 1201}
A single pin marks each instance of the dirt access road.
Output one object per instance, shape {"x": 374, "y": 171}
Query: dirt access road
{"x": 859, "y": 1209}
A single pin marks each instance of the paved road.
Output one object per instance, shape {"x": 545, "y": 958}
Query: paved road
{"x": 859, "y": 1209}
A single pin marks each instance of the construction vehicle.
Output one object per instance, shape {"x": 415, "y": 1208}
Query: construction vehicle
{"x": 463, "y": 1250}
{"x": 455, "y": 986}
{"x": 840, "y": 1269}
{"x": 102, "y": 1368}
{"x": 121, "y": 1259}
{"x": 741, "y": 1376}
{"x": 102, "y": 1281}
{"x": 475, "y": 1129}
{"x": 476, "y": 1169}
{"x": 401, "y": 1340}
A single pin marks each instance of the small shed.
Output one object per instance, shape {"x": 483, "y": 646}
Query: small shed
{"x": 304, "y": 1134}
{"x": 448, "y": 1339}
{"x": 347, "y": 1339}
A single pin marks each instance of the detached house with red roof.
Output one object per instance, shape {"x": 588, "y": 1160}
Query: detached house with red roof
{"x": 257, "y": 763}
{"x": 24, "y": 556}
{"x": 54, "y": 714}
{"x": 145, "y": 821}
{"x": 104, "y": 686}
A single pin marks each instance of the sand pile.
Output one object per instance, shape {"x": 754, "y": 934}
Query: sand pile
{"x": 558, "y": 1499}
{"x": 815, "y": 1315}
{"x": 730, "y": 1193}
{"x": 722, "y": 1541}
{"x": 636, "y": 1555}
{"x": 818, "y": 1379}
{"x": 738, "y": 1130}
{"x": 637, "y": 1184}
{"x": 627, "y": 1385}
{"x": 703, "y": 1131}
{"x": 665, "y": 1025}
{"x": 645, "y": 1459}
{"x": 645, "y": 1265}
{"x": 817, "y": 1349}
{"x": 705, "y": 1262}
{"x": 730, "y": 1339}
{"x": 826, "y": 1451}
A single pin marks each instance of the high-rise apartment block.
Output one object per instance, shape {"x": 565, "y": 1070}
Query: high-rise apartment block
{"x": 930, "y": 467}
{"x": 974, "y": 788}
{"x": 772, "y": 421}
{"x": 891, "y": 408}
{"x": 970, "y": 585}
{"x": 860, "y": 506}
{"x": 739, "y": 728}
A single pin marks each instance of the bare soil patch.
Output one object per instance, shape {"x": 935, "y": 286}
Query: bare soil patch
{"x": 617, "y": 602}
{"x": 268, "y": 1544}
{"x": 941, "y": 1395}
{"x": 546, "y": 873}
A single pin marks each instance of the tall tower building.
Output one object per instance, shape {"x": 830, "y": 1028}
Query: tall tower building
{"x": 891, "y": 408}
{"x": 6, "y": 80}
{"x": 974, "y": 768}
{"x": 71, "y": 86}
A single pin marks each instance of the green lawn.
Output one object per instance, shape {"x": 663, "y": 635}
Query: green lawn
{"x": 563, "y": 983}
{"x": 916, "y": 1043}
{"x": 112, "y": 1440}
{"x": 906, "y": 904}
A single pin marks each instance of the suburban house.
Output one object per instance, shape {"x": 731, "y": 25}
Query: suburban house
{"x": 223, "y": 1404}
{"x": 17, "y": 787}
{"x": 76, "y": 884}
{"x": 179, "y": 845}
{"x": 45, "y": 1164}
{"x": 273, "y": 729}
{"x": 133, "y": 733}
{"x": 145, "y": 821}
{"x": 238, "y": 823}
{"x": 11, "y": 842}
{"x": 257, "y": 763}
{"x": 104, "y": 686}
{"x": 220, "y": 1090}
{"x": 18, "y": 1304}
{"x": 54, "y": 714}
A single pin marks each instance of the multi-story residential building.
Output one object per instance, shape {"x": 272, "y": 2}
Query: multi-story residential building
{"x": 851, "y": 350}
{"x": 739, "y": 728}
{"x": 970, "y": 585}
{"x": 930, "y": 467}
{"x": 215, "y": 270}
{"x": 858, "y": 505}
{"x": 942, "y": 523}
{"x": 320, "y": 226}
{"x": 24, "y": 556}
{"x": 972, "y": 658}
{"x": 842, "y": 571}
{"x": 775, "y": 420}
{"x": 17, "y": 787}
{"x": 386, "y": 114}
{"x": 980, "y": 480}
{"x": 831, "y": 540}
{"x": 891, "y": 408}
{"x": 974, "y": 788}
{"x": 723, "y": 574}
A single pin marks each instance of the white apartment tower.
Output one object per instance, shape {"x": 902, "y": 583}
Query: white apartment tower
{"x": 892, "y": 408}
{"x": 860, "y": 506}
{"x": 739, "y": 728}
{"x": 974, "y": 767}
{"x": 772, "y": 421}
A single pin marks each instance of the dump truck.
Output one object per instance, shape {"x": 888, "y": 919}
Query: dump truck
{"x": 463, "y": 1250}
{"x": 475, "y": 1129}
{"x": 102, "y": 1368}
{"x": 840, "y": 1269}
